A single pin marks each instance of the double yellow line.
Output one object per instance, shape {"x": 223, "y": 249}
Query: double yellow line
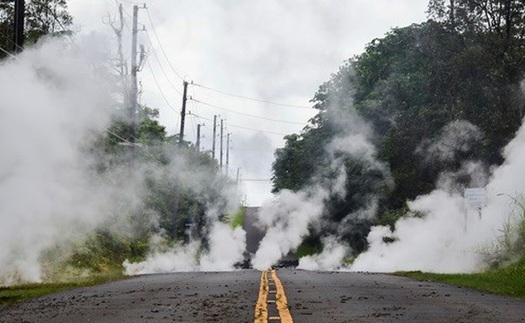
{"x": 272, "y": 285}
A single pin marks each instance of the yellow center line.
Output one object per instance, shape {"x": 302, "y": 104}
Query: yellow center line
{"x": 282, "y": 303}
{"x": 261, "y": 308}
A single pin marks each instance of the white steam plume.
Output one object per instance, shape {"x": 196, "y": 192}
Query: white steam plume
{"x": 288, "y": 216}
{"x": 330, "y": 258}
{"x": 450, "y": 237}
{"x": 226, "y": 248}
{"x": 286, "y": 219}
{"x": 55, "y": 100}
{"x": 456, "y": 137}
{"x": 51, "y": 101}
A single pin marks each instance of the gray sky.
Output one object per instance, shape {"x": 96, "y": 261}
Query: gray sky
{"x": 272, "y": 50}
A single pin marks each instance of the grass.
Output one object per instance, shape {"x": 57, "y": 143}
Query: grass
{"x": 238, "y": 218}
{"x": 508, "y": 281}
{"x": 14, "y": 294}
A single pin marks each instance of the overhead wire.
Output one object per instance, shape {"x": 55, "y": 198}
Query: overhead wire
{"x": 8, "y": 53}
{"x": 160, "y": 65}
{"x": 131, "y": 2}
{"x": 12, "y": 42}
{"x": 161, "y": 47}
{"x": 246, "y": 114}
{"x": 197, "y": 115}
{"x": 241, "y": 127}
{"x": 148, "y": 154}
{"x": 250, "y": 98}
{"x": 258, "y": 130}
{"x": 159, "y": 88}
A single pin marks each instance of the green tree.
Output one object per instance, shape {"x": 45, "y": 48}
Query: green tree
{"x": 42, "y": 18}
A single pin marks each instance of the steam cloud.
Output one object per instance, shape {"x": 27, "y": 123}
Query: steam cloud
{"x": 451, "y": 237}
{"x": 288, "y": 216}
{"x": 55, "y": 100}
{"x": 50, "y": 101}
{"x": 448, "y": 235}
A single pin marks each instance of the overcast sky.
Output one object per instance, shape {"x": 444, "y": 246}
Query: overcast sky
{"x": 272, "y": 50}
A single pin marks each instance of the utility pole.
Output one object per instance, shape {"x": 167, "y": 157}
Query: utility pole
{"x": 214, "y": 136}
{"x": 227, "y": 152}
{"x": 183, "y": 112}
{"x": 19, "y": 22}
{"x": 199, "y": 137}
{"x": 134, "y": 88}
{"x": 19, "y": 25}
{"x": 237, "y": 184}
{"x": 222, "y": 136}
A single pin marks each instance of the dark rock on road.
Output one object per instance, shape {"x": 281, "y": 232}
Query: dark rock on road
{"x": 363, "y": 297}
{"x": 179, "y": 297}
{"x": 231, "y": 297}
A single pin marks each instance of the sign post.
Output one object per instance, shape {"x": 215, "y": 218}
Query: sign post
{"x": 477, "y": 198}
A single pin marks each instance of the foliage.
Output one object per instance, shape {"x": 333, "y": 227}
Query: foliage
{"x": 464, "y": 64}
{"x": 305, "y": 159}
{"x": 237, "y": 219}
{"x": 43, "y": 18}
{"x": 311, "y": 245}
{"x": 15, "y": 294}
{"x": 506, "y": 281}
{"x": 105, "y": 251}
{"x": 510, "y": 242}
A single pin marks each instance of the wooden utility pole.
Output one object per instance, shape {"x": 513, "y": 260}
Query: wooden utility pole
{"x": 134, "y": 88}
{"x": 237, "y": 184}
{"x": 227, "y": 152}
{"x": 183, "y": 112}
{"x": 199, "y": 137}
{"x": 214, "y": 136}
{"x": 20, "y": 9}
{"x": 222, "y": 136}
{"x": 19, "y": 23}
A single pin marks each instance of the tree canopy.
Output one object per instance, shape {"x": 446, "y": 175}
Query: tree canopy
{"x": 42, "y": 18}
{"x": 457, "y": 75}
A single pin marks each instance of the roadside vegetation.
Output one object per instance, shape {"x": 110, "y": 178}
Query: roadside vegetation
{"x": 410, "y": 85}
{"x": 508, "y": 281}
{"x": 460, "y": 72}
{"x": 14, "y": 294}
{"x": 175, "y": 184}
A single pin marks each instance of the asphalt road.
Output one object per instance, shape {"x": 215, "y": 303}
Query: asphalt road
{"x": 231, "y": 297}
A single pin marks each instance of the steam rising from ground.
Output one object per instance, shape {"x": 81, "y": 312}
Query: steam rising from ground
{"x": 451, "y": 237}
{"x": 440, "y": 233}
{"x": 226, "y": 249}
{"x": 287, "y": 217}
{"x": 56, "y": 100}
{"x": 50, "y": 100}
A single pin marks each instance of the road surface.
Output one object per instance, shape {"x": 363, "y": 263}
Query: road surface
{"x": 232, "y": 297}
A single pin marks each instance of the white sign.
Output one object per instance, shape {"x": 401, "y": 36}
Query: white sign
{"x": 476, "y": 197}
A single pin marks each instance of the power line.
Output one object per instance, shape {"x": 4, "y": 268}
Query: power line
{"x": 245, "y": 114}
{"x": 8, "y": 53}
{"x": 241, "y": 127}
{"x": 161, "y": 47}
{"x": 148, "y": 154}
{"x": 198, "y": 116}
{"x": 11, "y": 41}
{"x": 160, "y": 65}
{"x": 258, "y": 130}
{"x": 159, "y": 88}
{"x": 131, "y": 2}
{"x": 251, "y": 99}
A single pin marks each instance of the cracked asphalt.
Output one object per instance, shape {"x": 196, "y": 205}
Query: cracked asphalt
{"x": 231, "y": 297}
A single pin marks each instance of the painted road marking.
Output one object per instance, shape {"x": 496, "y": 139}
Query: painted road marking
{"x": 261, "y": 309}
{"x": 280, "y": 301}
